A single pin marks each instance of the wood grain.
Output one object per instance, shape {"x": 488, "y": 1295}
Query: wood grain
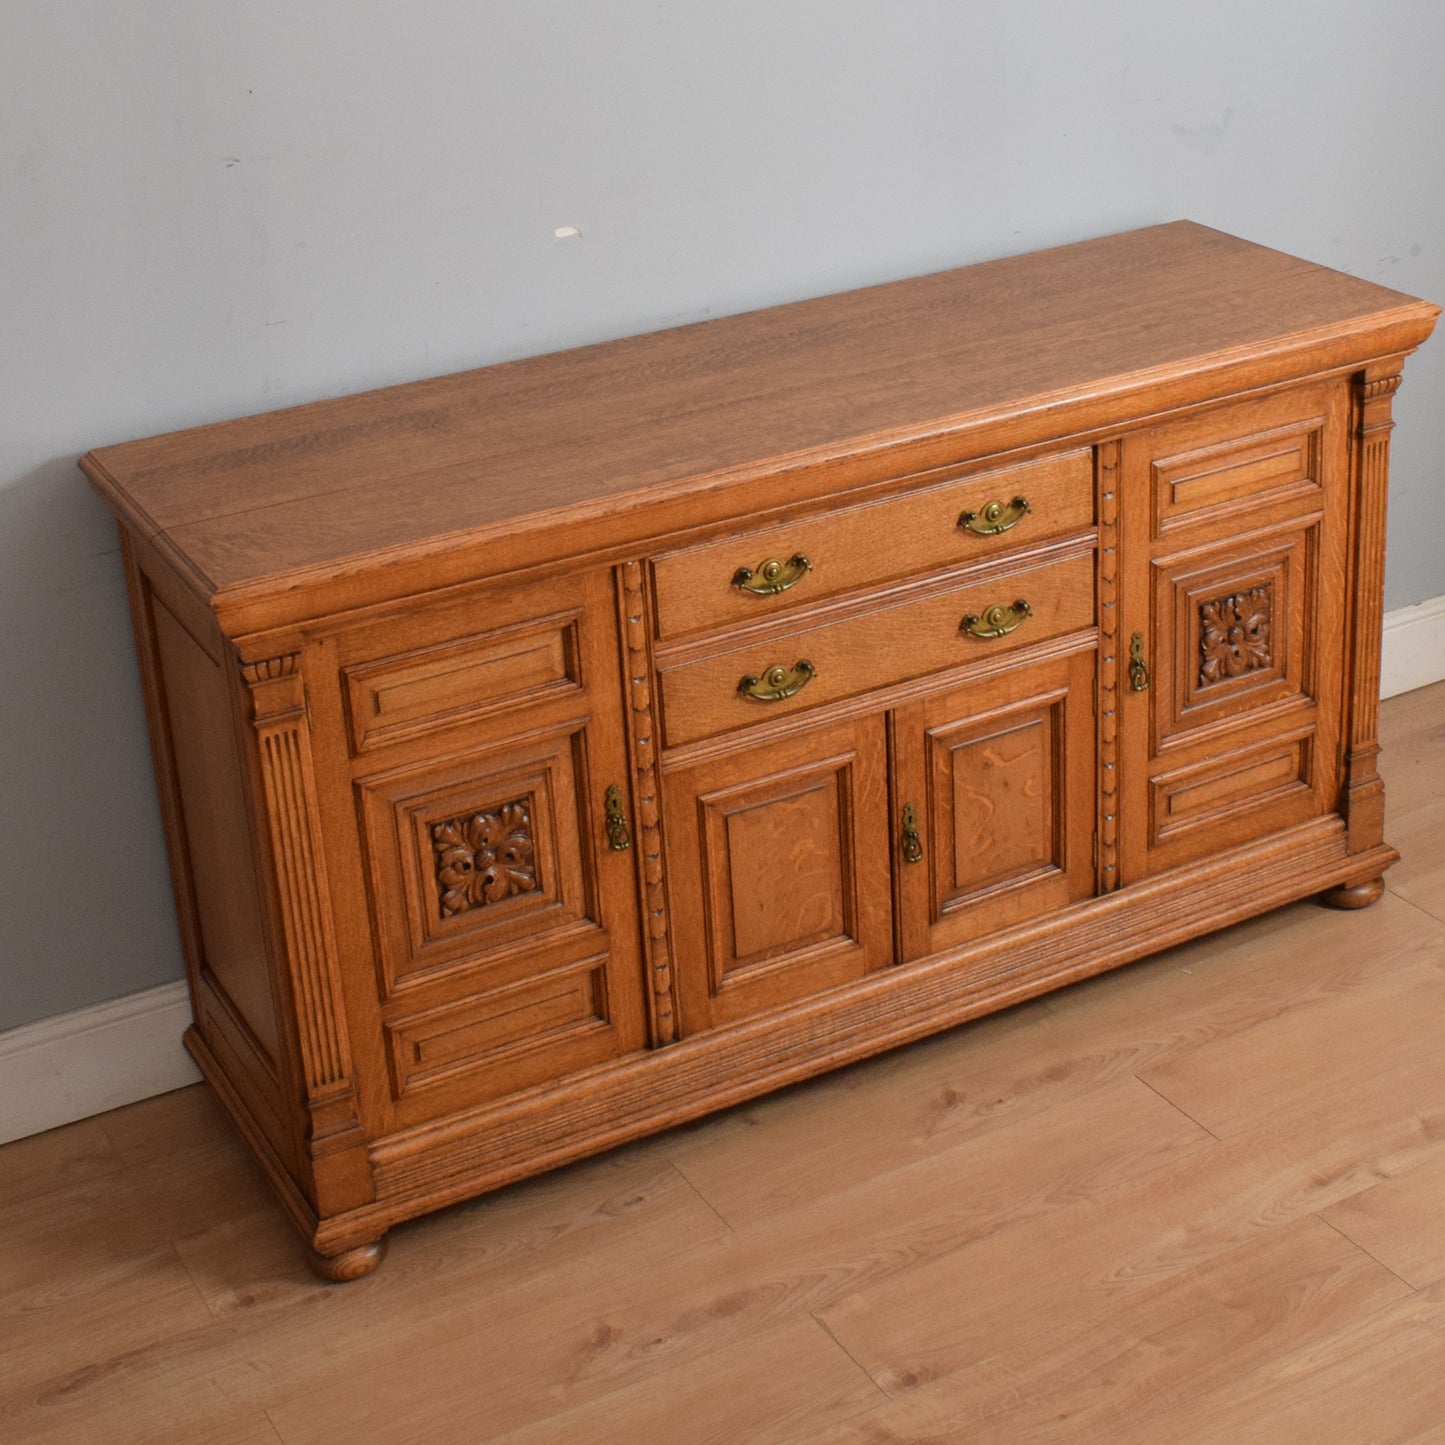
{"x": 312, "y": 486}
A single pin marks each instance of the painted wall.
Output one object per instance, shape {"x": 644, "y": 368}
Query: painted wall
{"x": 212, "y": 209}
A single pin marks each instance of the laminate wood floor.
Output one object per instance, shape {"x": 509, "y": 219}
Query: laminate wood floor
{"x": 1201, "y": 1199}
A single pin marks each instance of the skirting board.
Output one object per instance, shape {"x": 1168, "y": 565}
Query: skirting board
{"x": 62, "y": 1069}
{"x": 1412, "y": 651}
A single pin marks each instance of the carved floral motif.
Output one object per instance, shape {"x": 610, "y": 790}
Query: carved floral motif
{"x": 484, "y": 857}
{"x": 1234, "y": 635}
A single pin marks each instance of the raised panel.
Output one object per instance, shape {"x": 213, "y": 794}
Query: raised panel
{"x": 1209, "y": 484}
{"x": 221, "y": 896}
{"x": 1238, "y": 632}
{"x": 789, "y": 873}
{"x": 1000, "y": 774}
{"x": 1215, "y": 794}
{"x": 419, "y": 691}
{"x": 778, "y": 857}
{"x": 477, "y": 857}
{"x": 998, "y": 786}
{"x": 540, "y": 1026}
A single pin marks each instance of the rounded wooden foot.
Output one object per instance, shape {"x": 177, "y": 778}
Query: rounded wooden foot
{"x": 1354, "y": 895}
{"x": 350, "y": 1263}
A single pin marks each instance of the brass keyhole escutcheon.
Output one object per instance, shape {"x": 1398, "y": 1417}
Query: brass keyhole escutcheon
{"x": 1138, "y": 668}
{"x": 912, "y": 843}
{"x": 619, "y": 835}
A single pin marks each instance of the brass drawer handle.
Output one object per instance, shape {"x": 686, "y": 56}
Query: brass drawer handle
{"x": 1138, "y": 668}
{"x": 772, "y": 576}
{"x": 778, "y": 681}
{"x": 912, "y": 843}
{"x": 996, "y": 517}
{"x": 997, "y": 621}
{"x": 619, "y": 835}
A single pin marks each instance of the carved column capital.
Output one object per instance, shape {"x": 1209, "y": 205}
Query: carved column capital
{"x": 277, "y": 691}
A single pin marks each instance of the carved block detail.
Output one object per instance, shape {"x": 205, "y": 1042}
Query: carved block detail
{"x": 642, "y": 729}
{"x": 1381, "y": 386}
{"x": 303, "y": 900}
{"x": 1234, "y": 635}
{"x": 270, "y": 668}
{"x": 484, "y": 857}
{"x": 1108, "y": 668}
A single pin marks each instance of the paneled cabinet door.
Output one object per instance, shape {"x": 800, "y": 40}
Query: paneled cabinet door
{"x": 1233, "y": 623}
{"x": 994, "y": 802}
{"x": 778, "y": 861}
{"x": 477, "y": 861}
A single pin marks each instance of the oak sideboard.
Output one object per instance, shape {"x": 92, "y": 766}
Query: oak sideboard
{"x": 558, "y": 751}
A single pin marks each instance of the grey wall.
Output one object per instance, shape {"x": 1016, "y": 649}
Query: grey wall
{"x": 209, "y": 209}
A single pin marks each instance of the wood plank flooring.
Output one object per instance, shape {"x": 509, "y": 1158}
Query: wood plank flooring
{"x": 1200, "y": 1199}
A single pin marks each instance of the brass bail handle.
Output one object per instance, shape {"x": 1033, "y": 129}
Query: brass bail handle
{"x": 1138, "y": 668}
{"x": 995, "y": 517}
{"x": 996, "y": 621}
{"x": 619, "y": 835}
{"x": 772, "y": 576}
{"x": 778, "y": 682}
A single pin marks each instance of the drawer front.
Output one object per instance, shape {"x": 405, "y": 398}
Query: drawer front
{"x": 799, "y": 670}
{"x": 794, "y": 563}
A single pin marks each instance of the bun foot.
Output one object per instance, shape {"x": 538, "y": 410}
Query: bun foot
{"x": 350, "y": 1263}
{"x": 1354, "y": 895}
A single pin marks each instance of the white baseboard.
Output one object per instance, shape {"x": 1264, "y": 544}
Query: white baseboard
{"x": 1412, "y": 652}
{"x": 66, "y": 1068}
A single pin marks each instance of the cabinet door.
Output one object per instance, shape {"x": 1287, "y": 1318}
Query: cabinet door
{"x": 778, "y": 860}
{"x": 1233, "y": 608}
{"x": 997, "y": 780}
{"x": 476, "y": 877}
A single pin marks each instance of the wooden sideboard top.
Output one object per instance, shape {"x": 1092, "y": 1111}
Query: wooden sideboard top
{"x": 513, "y": 459}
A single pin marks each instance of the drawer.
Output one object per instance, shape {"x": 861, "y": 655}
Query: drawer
{"x": 793, "y": 563}
{"x": 802, "y": 669}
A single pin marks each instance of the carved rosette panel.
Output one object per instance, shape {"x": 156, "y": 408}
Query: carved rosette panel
{"x": 1235, "y": 635}
{"x": 641, "y": 730}
{"x": 278, "y": 714}
{"x": 484, "y": 857}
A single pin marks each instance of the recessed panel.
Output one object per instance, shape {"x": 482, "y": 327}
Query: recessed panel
{"x": 416, "y": 692}
{"x": 1213, "y": 792}
{"x": 786, "y": 872}
{"x": 1207, "y": 484}
{"x": 1239, "y": 626}
{"x": 539, "y": 1017}
{"x": 779, "y": 870}
{"x": 477, "y": 860}
{"x": 998, "y": 791}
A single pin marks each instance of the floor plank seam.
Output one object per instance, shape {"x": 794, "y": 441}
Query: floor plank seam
{"x": 1419, "y": 908}
{"x": 677, "y": 1169}
{"x": 1414, "y": 1289}
{"x": 872, "y": 1379}
{"x": 1179, "y": 1109}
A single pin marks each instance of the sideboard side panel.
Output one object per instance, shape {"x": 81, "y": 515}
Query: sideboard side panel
{"x": 210, "y": 843}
